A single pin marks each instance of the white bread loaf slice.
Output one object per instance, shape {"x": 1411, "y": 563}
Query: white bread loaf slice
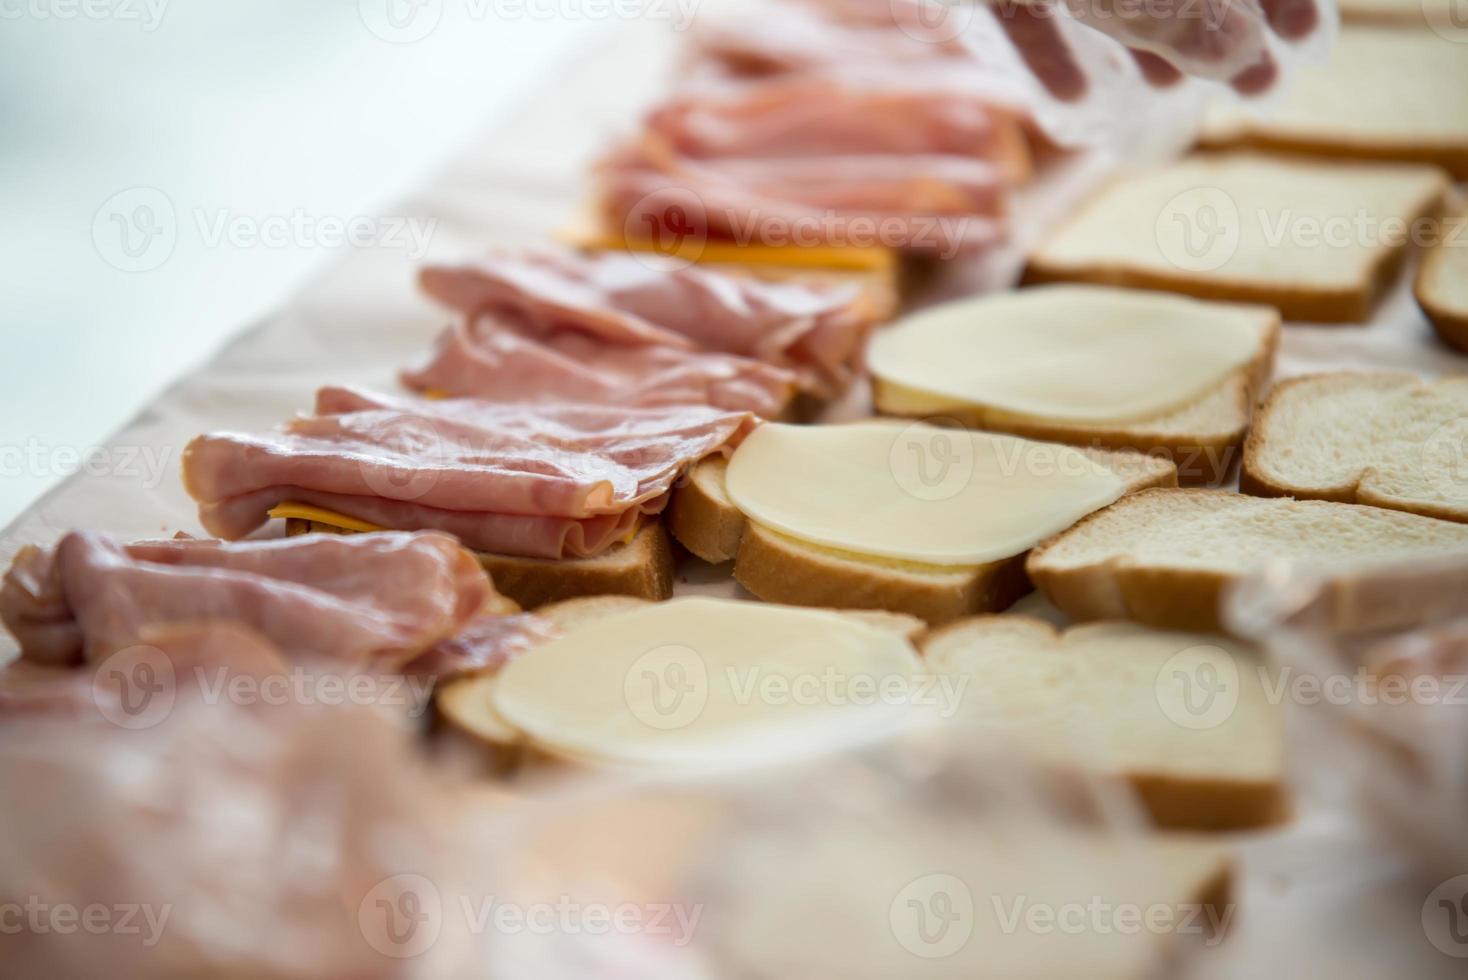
{"x": 1313, "y": 239}
{"x": 1442, "y": 284}
{"x": 779, "y": 568}
{"x": 1164, "y": 558}
{"x": 1203, "y": 438}
{"x": 1124, "y": 701}
{"x": 641, "y": 568}
{"x": 466, "y": 705}
{"x": 1387, "y": 93}
{"x": 1388, "y": 440}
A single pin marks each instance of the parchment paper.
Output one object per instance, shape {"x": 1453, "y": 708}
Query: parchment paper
{"x": 1317, "y": 899}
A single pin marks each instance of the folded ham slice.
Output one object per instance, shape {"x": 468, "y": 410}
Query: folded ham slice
{"x": 493, "y": 358}
{"x": 814, "y": 329}
{"x": 540, "y": 481}
{"x": 383, "y": 599}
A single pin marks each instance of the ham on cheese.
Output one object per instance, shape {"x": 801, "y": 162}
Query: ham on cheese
{"x": 379, "y": 599}
{"x": 620, "y": 328}
{"x": 539, "y": 481}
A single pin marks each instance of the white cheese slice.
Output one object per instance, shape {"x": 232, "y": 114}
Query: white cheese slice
{"x": 915, "y": 492}
{"x": 1083, "y": 354}
{"x": 710, "y": 684}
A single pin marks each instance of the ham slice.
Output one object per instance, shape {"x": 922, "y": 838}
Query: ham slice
{"x": 540, "y": 481}
{"x": 493, "y": 358}
{"x": 383, "y": 599}
{"x": 814, "y": 329}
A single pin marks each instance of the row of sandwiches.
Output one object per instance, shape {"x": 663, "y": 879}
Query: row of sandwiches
{"x": 509, "y": 524}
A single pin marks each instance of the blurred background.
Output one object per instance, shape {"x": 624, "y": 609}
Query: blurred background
{"x": 172, "y": 169}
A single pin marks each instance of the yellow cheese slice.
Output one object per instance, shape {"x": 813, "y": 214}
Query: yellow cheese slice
{"x": 305, "y": 512}
{"x": 915, "y": 492}
{"x": 708, "y": 684}
{"x": 1084, "y": 354}
{"x": 875, "y": 259}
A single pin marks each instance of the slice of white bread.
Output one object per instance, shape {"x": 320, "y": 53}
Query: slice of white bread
{"x": 1317, "y": 240}
{"x": 1442, "y": 284}
{"x": 1121, "y": 700}
{"x": 1387, "y": 93}
{"x": 641, "y": 568}
{"x": 779, "y": 568}
{"x": 939, "y": 898}
{"x": 466, "y": 705}
{"x": 1164, "y": 558}
{"x": 1388, "y": 440}
{"x": 1203, "y": 438}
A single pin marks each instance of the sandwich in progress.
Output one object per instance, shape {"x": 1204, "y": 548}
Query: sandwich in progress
{"x": 1088, "y": 365}
{"x": 1316, "y": 240}
{"x": 1165, "y": 558}
{"x": 1442, "y": 284}
{"x": 557, "y": 500}
{"x": 1389, "y": 440}
{"x": 1387, "y": 93}
{"x": 693, "y": 685}
{"x": 911, "y": 518}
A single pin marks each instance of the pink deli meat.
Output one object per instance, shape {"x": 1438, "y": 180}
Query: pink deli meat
{"x": 540, "y": 481}
{"x": 614, "y": 303}
{"x": 383, "y": 599}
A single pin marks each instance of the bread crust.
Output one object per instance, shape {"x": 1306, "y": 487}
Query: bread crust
{"x": 642, "y": 568}
{"x": 779, "y": 568}
{"x": 1448, "y": 156}
{"x": 1202, "y": 458}
{"x": 1451, "y": 324}
{"x": 1169, "y": 599}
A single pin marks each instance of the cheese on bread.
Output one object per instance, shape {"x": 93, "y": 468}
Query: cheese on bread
{"x": 1066, "y": 353}
{"x": 915, "y": 492}
{"x": 701, "y": 684}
